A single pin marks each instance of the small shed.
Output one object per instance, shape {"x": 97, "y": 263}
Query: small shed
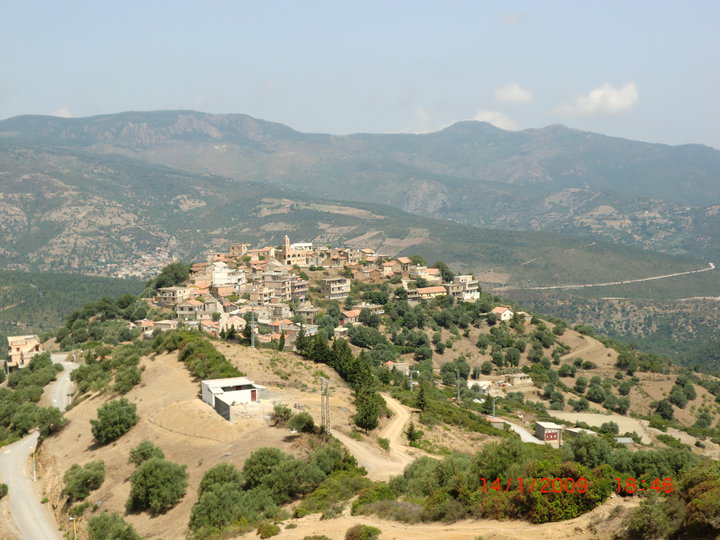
{"x": 549, "y": 432}
{"x": 495, "y": 422}
{"x": 518, "y": 379}
{"x": 231, "y": 390}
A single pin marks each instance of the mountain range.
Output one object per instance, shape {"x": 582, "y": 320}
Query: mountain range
{"x": 557, "y": 179}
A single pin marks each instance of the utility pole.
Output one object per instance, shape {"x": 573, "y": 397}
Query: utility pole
{"x": 252, "y": 329}
{"x": 457, "y": 383}
{"x": 325, "y": 404}
{"x": 493, "y": 406}
{"x": 34, "y": 468}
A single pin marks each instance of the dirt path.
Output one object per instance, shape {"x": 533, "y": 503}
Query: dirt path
{"x": 711, "y": 266}
{"x": 380, "y": 464}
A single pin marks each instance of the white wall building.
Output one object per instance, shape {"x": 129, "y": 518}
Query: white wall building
{"x": 231, "y": 390}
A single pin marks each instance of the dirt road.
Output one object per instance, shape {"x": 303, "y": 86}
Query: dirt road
{"x": 380, "y": 464}
{"x": 711, "y": 266}
{"x": 30, "y": 516}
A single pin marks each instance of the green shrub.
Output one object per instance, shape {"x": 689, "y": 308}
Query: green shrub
{"x": 339, "y": 487}
{"x": 281, "y": 414}
{"x": 377, "y": 492}
{"x": 144, "y": 451}
{"x": 108, "y": 526}
{"x": 266, "y": 530}
{"x": 384, "y": 444}
{"x": 80, "y": 481}
{"x": 115, "y": 418}
{"x": 220, "y": 474}
{"x": 224, "y": 504}
{"x": 362, "y": 532}
{"x": 3, "y": 490}
{"x": 157, "y": 485}
{"x": 301, "y": 422}
{"x": 260, "y": 464}
{"x": 126, "y": 378}
{"x": 49, "y": 420}
{"x": 291, "y": 479}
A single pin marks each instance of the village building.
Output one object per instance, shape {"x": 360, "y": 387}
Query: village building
{"x": 188, "y": 310}
{"x": 575, "y": 431}
{"x": 400, "y": 367}
{"x": 239, "y": 249}
{"x": 517, "y": 379}
{"x": 503, "y": 313}
{"x": 340, "y": 332}
{"x": 497, "y": 423}
{"x": 463, "y": 288}
{"x": 350, "y": 316}
{"x": 335, "y": 288}
{"x": 222, "y": 394}
{"x": 550, "y": 433}
{"x": 482, "y": 387}
{"x": 307, "y": 311}
{"x": 21, "y": 350}
{"x": 426, "y": 293}
{"x": 375, "y": 309}
{"x": 169, "y": 296}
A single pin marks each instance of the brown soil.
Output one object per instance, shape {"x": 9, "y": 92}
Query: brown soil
{"x": 173, "y": 417}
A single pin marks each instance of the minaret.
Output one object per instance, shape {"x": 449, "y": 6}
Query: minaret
{"x": 286, "y": 249}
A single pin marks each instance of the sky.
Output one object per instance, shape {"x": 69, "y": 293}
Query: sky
{"x": 646, "y": 70}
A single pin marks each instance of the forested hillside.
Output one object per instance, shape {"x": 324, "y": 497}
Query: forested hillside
{"x": 38, "y": 302}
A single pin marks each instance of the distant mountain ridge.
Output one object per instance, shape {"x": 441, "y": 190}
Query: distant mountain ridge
{"x": 550, "y": 179}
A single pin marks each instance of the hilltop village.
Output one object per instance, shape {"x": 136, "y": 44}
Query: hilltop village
{"x": 270, "y": 287}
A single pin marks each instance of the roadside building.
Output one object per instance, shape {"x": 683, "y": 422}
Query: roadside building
{"x": 503, "y": 313}
{"x": 21, "y": 349}
{"x": 550, "y": 433}
{"x": 222, "y": 394}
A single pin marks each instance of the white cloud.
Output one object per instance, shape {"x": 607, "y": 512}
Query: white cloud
{"x": 62, "y": 112}
{"x": 513, "y": 94}
{"x": 495, "y": 118}
{"x": 605, "y": 99}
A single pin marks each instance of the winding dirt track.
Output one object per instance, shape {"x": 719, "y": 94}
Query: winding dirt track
{"x": 380, "y": 464}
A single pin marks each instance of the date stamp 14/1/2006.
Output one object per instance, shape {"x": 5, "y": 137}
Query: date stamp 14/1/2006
{"x": 573, "y": 485}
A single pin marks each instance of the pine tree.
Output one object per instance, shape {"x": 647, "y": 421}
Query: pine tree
{"x": 231, "y": 333}
{"x": 281, "y": 343}
{"x": 301, "y": 342}
{"x": 421, "y": 401}
{"x": 368, "y": 410}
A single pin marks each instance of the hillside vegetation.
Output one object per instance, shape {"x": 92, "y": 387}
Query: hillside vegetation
{"x": 38, "y": 302}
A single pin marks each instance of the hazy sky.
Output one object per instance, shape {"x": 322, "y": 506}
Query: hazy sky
{"x": 646, "y": 70}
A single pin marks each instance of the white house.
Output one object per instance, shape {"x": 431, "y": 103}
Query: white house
{"x": 503, "y": 313}
{"x": 231, "y": 390}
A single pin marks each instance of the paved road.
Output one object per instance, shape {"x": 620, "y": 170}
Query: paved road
{"x": 525, "y": 435}
{"x": 30, "y": 516}
{"x": 711, "y": 266}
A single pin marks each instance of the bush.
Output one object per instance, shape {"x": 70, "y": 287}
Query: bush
{"x": 224, "y": 504}
{"x": 144, "y": 451}
{"x": 362, "y": 532}
{"x": 115, "y": 418}
{"x": 281, "y": 414}
{"x": 3, "y": 490}
{"x": 301, "y": 422}
{"x": 49, "y": 420}
{"x": 291, "y": 479}
{"x": 222, "y": 473}
{"x": 266, "y": 530}
{"x": 157, "y": 485}
{"x": 260, "y": 464}
{"x": 126, "y": 378}
{"x": 107, "y": 526}
{"x": 384, "y": 444}
{"x": 80, "y": 481}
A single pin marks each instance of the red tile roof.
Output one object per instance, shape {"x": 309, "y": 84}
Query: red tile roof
{"x": 432, "y": 290}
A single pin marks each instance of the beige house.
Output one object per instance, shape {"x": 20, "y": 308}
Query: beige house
{"x": 503, "y": 313}
{"x": 21, "y": 349}
{"x": 335, "y": 288}
{"x": 518, "y": 379}
{"x": 169, "y": 296}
